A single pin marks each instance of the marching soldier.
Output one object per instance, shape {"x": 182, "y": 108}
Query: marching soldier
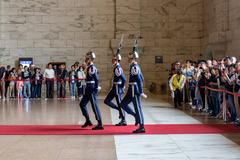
{"x": 117, "y": 89}
{"x": 91, "y": 93}
{"x": 134, "y": 92}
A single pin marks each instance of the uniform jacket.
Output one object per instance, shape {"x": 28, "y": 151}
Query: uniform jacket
{"x": 136, "y": 77}
{"x": 93, "y": 77}
{"x": 119, "y": 79}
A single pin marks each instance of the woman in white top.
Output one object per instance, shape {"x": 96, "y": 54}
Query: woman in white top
{"x": 49, "y": 76}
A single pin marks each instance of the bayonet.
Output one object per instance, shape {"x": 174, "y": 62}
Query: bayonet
{"x": 120, "y": 45}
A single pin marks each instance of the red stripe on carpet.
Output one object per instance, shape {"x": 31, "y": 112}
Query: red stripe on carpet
{"x": 113, "y": 130}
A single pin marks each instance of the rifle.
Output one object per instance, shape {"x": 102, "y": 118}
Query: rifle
{"x": 135, "y": 45}
{"x": 120, "y": 45}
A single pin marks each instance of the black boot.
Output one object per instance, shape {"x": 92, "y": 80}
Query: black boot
{"x": 141, "y": 129}
{"x": 87, "y": 123}
{"x": 122, "y": 123}
{"x": 238, "y": 124}
{"x": 99, "y": 126}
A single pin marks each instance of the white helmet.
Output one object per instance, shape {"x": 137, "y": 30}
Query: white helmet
{"x": 90, "y": 55}
{"x": 133, "y": 55}
{"x": 118, "y": 57}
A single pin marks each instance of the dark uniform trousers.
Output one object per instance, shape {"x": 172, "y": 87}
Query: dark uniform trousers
{"x": 108, "y": 101}
{"x": 136, "y": 100}
{"x": 91, "y": 93}
{"x": 92, "y": 97}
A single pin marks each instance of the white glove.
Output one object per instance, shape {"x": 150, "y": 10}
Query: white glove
{"x": 144, "y": 95}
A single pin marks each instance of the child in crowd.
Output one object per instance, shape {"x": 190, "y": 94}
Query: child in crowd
{"x": 12, "y": 79}
{"x": 20, "y": 87}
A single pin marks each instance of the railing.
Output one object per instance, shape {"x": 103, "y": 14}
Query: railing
{"x": 44, "y": 79}
{"x": 223, "y": 105}
{"x": 224, "y": 102}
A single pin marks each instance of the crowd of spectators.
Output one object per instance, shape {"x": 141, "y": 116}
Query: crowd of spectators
{"x": 207, "y": 86}
{"x": 26, "y": 82}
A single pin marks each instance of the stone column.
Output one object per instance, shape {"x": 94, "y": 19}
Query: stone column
{"x": 216, "y": 27}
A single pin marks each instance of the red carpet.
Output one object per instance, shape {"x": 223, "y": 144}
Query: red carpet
{"x": 112, "y": 130}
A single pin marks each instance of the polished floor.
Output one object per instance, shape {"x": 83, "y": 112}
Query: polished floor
{"x": 118, "y": 147}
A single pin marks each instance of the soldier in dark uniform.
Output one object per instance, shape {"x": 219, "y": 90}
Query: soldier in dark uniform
{"x": 134, "y": 93}
{"x": 91, "y": 93}
{"x": 117, "y": 90}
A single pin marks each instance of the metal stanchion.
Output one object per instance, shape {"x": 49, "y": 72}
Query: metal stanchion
{"x": 3, "y": 89}
{"x": 236, "y": 105}
{"x": 224, "y": 107}
{"x": 205, "y": 97}
{"x": 183, "y": 92}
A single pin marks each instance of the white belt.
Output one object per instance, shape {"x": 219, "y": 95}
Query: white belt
{"x": 132, "y": 83}
{"x": 117, "y": 83}
{"x": 90, "y": 82}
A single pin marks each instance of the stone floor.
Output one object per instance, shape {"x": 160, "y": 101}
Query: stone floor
{"x": 124, "y": 147}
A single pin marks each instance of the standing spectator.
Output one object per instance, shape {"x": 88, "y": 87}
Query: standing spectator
{"x": 61, "y": 81}
{"x": 177, "y": 83}
{"x": 49, "y": 76}
{"x": 38, "y": 78}
{"x": 12, "y": 84}
{"x": 202, "y": 81}
{"x": 227, "y": 61}
{"x": 237, "y": 87}
{"x": 20, "y": 70}
{"x": 27, "y": 84}
{"x": 7, "y": 72}
{"x": 33, "y": 85}
{"x": 188, "y": 73}
{"x": 20, "y": 85}
{"x": 209, "y": 64}
{"x": 214, "y": 82}
{"x": 2, "y": 82}
{"x": 76, "y": 65}
{"x": 72, "y": 82}
{"x": 19, "y": 73}
{"x": 229, "y": 76}
{"x": 215, "y": 63}
{"x": 55, "y": 68}
{"x": 81, "y": 81}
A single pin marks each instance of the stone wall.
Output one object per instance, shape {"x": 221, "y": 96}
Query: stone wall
{"x": 221, "y": 27}
{"x": 56, "y": 30}
{"x": 172, "y": 29}
{"x": 64, "y": 30}
{"x": 168, "y": 28}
